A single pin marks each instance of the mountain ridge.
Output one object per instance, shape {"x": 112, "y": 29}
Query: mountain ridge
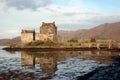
{"x": 103, "y": 31}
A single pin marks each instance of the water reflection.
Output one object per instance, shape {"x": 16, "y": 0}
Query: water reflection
{"x": 48, "y": 64}
{"x": 48, "y": 61}
{"x": 52, "y": 65}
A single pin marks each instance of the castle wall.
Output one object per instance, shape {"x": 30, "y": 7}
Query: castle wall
{"x": 40, "y": 37}
{"x": 48, "y": 28}
{"x": 48, "y": 31}
{"x": 27, "y": 37}
{"x": 44, "y": 37}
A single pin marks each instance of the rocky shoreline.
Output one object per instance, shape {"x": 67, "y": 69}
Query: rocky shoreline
{"x": 58, "y": 49}
{"x": 111, "y": 72}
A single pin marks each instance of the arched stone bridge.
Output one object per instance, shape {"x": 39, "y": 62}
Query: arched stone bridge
{"x": 100, "y": 45}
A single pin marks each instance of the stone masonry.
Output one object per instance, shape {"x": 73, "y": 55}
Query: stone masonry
{"x": 48, "y": 31}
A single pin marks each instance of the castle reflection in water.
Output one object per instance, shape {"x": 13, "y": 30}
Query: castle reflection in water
{"x": 48, "y": 61}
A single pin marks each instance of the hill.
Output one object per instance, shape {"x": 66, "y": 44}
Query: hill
{"x": 15, "y": 40}
{"x": 103, "y": 31}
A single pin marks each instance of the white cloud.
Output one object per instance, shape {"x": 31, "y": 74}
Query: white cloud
{"x": 9, "y": 33}
{"x": 104, "y": 18}
{"x": 71, "y": 16}
{"x": 80, "y": 18}
{"x": 24, "y": 4}
{"x": 66, "y": 18}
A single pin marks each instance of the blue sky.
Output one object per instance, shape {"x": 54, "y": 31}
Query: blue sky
{"x": 68, "y": 14}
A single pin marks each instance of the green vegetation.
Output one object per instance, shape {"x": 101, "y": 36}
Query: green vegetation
{"x": 73, "y": 40}
{"x": 35, "y": 43}
{"x": 43, "y": 44}
{"x": 48, "y": 43}
{"x": 93, "y": 40}
{"x": 66, "y": 44}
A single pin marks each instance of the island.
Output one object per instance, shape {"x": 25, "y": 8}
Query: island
{"x": 47, "y": 39}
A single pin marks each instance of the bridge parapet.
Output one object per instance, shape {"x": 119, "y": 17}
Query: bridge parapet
{"x": 99, "y": 45}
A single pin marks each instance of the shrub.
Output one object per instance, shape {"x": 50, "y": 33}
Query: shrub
{"x": 93, "y": 40}
{"x": 73, "y": 40}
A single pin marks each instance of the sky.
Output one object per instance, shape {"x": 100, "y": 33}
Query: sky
{"x": 16, "y": 15}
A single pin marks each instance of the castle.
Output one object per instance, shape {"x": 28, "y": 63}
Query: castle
{"x": 48, "y": 31}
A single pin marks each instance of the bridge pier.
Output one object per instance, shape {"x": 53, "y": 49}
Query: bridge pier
{"x": 90, "y": 45}
{"x": 109, "y": 45}
{"x": 98, "y": 46}
{"x": 118, "y": 45}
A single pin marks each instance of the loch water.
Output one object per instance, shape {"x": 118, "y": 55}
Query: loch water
{"x": 62, "y": 65}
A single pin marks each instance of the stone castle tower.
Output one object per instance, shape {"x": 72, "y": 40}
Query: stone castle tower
{"x": 48, "y": 31}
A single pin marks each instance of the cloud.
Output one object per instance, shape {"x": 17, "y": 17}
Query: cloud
{"x": 88, "y": 22}
{"x": 70, "y": 27}
{"x": 24, "y": 4}
{"x": 11, "y": 33}
{"x": 77, "y": 18}
{"x": 70, "y": 11}
{"x": 104, "y": 18}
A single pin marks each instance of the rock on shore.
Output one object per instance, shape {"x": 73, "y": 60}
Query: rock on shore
{"x": 111, "y": 72}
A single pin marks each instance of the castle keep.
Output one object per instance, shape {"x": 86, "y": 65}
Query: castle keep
{"x": 48, "y": 31}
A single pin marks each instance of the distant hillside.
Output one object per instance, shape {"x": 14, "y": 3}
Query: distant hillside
{"x": 15, "y": 40}
{"x": 4, "y": 41}
{"x": 103, "y": 31}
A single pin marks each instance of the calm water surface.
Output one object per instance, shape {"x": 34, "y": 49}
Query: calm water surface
{"x": 51, "y": 65}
